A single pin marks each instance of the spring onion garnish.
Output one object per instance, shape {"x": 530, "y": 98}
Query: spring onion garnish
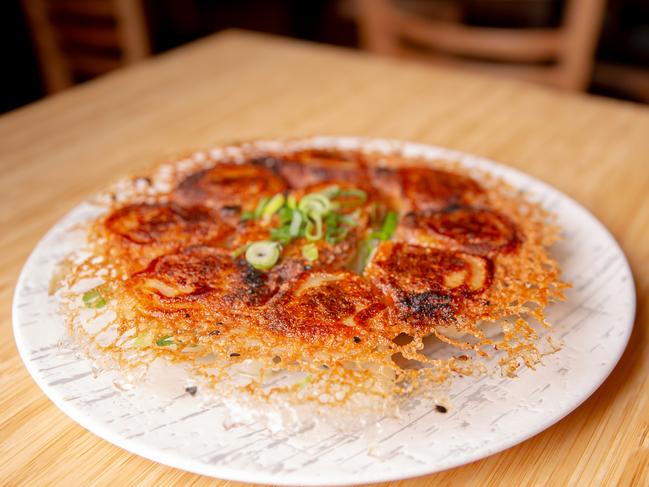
{"x": 336, "y": 235}
{"x": 305, "y": 381}
{"x": 164, "y": 341}
{"x": 389, "y": 225}
{"x": 291, "y": 202}
{"x": 331, "y": 191}
{"x": 310, "y": 252}
{"x": 260, "y": 207}
{"x": 143, "y": 339}
{"x": 285, "y": 215}
{"x": 263, "y": 255}
{"x": 93, "y": 299}
{"x": 247, "y": 215}
{"x": 281, "y": 235}
{"x": 296, "y": 223}
{"x": 313, "y": 229}
{"x": 335, "y": 232}
{"x": 364, "y": 253}
{"x": 350, "y": 220}
{"x": 314, "y": 204}
{"x": 387, "y": 228}
{"x": 272, "y": 207}
{"x": 368, "y": 246}
{"x": 237, "y": 252}
{"x": 315, "y": 216}
{"x": 359, "y": 194}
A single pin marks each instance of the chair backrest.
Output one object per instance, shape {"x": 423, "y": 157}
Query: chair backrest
{"x": 561, "y": 56}
{"x": 80, "y": 39}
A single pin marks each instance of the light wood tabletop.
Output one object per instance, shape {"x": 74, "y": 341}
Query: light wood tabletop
{"x": 235, "y": 86}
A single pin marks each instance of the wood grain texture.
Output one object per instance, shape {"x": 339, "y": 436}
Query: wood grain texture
{"x": 236, "y": 86}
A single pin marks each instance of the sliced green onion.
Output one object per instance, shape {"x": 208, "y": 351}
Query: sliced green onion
{"x": 332, "y": 219}
{"x": 309, "y": 232}
{"x": 285, "y": 215}
{"x": 237, "y": 252}
{"x": 310, "y": 252}
{"x": 389, "y": 225}
{"x": 143, "y": 339}
{"x": 314, "y": 204}
{"x": 296, "y": 223}
{"x": 364, "y": 254}
{"x": 247, "y": 215}
{"x": 303, "y": 383}
{"x": 275, "y": 203}
{"x": 93, "y": 299}
{"x": 349, "y": 220}
{"x": 281, "y": 235}
{"x": 263, "y": 254}
{"x": 370, "y": 243}
{"x": 356, "y": 193}
{"x": 333, "y": 230}
{"x": 291, "y": 202}
{"x": 331, "y": 191}
{"x": 336, "y": 235}
{"x": 260, "y": 207}
{"x": 164, "y": 341}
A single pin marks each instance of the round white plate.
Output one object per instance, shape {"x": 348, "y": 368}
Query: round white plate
{"x": 486, "y": 415}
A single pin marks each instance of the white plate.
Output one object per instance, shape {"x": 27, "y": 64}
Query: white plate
{"x": 487, "y": 414}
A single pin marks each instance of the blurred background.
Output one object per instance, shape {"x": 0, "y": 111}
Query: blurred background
{"x": 596, "y": 46}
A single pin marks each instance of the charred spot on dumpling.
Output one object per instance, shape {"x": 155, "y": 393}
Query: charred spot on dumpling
{"x": 427, "y": 307}
{"x": 327, "y": 306}
{"x": 258, "y": 286}
{"x": 145, "y": 231}
{"x": 229, "y": 187}
{"x": 428, "y": 285}
{"x": 426, "y": 188}
{"x": 479, "y": 231}
{"x": 308, "y": 167}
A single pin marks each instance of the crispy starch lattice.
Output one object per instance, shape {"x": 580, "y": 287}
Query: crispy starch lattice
{"x": 315, "y": 275}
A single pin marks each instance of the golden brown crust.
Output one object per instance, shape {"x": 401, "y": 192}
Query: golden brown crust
{"x": 327, "y": 306}
{"x": 480, "y": 231}
{"x": 196, "y": 274}
{"x": 308, "y": 167}
{"x": 229, "y": 187}
{"x": 140, "y": 232}
{"x": 425, "y": 188}
{"x": 430, "y": 287}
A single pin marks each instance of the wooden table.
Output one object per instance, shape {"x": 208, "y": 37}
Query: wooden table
{"x": 237, "y": 86}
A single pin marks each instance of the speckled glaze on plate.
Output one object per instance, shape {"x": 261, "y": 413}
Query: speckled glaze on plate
{"x": 487, "y": 414}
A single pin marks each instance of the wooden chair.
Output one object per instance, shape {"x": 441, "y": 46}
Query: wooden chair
{"x": 630, "y": 81}
{"x": 80, "y": 39}
{"x": 561, "y": 57}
